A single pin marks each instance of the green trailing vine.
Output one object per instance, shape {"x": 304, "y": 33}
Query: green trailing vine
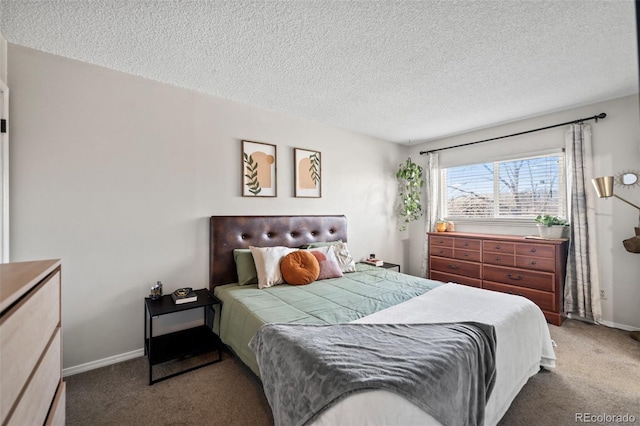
{"x": 313, "y": 168}
{"x": 251, "y": 168}
{"x": 410, "y": 180}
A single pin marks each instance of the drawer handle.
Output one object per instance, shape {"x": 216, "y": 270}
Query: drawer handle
{"x": 441, "y": 251}
{"x": 498, "y": 258}
{"x": 518, "y": 294}
{"x": 441, "y": 241}
{"x": 466, "y": 244}
{"x": 519, "y": 277}
{"x": 533, "y": 262}
{"x": 466, "y": 255}
{"x": 453, "y": 266}
{"x": 533, "y": 250}
{"x": 498, "y": 247}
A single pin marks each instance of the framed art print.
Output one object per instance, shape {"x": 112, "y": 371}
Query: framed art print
{"x": 307, "y": 170}
{"x": 259, "y": 169}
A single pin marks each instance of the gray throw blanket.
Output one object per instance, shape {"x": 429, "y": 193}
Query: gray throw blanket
{"x": 448, "y": 370}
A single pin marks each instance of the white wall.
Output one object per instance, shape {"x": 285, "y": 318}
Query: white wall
{"x": 4, "y": 155}
{"x": 3, "y": 58}
{"x": 616, "y": 145}
{"x": 117, "y": 175}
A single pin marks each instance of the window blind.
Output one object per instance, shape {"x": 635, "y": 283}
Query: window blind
{"x": 520, "y": 188}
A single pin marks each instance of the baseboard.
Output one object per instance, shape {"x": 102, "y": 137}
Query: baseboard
{"x": 616, "y": 325}
{"x": 102, "y": 362}
{"x": 610, "y": 324}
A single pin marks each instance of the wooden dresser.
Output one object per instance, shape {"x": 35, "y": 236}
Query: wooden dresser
{"x": 533, "y": 268}
{"x": 33, "y": 392}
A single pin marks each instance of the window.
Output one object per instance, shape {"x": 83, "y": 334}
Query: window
{"x": 514, "y": 189}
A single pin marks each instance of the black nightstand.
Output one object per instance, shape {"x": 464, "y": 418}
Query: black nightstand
{"x": 387, "y": 265}
{"x": 191, "y": 341}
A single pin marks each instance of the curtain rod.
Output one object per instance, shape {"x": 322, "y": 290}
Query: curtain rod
{"x": 580, "y": 120}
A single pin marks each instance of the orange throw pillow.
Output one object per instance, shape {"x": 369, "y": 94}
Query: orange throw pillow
{"x": 299, "y": 267}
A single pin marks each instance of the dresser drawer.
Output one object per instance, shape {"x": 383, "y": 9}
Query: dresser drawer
{"x": 26, "y": 330}
{"x": 441, "y": 251}
{"x": 33, "y": 407}
{"x": 457, "y": 267}
{"x": 444, "y": 277}
{"x": 537, "y": 250}
{"x": 498, "y": 247}
{"x": 57, "y": 412}
{"x": 541, "y": 298}
{"x": 441, "y": 241}
{"x": 519, "y": 277}
{"x": 537, "y": 263}
{"x": 467, "y": 244}
{"x": 469, "y": 255}
{"x": 500, "y": 259}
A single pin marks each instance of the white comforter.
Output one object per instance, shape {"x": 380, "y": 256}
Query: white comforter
{"x": 523, "y": 346}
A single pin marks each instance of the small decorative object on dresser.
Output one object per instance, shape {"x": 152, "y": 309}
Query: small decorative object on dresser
{"x": 441, "y": 225}
{"x": 32, "y": 390}
{"x": 551, "y": 226}
{"x": 533, "y": 269}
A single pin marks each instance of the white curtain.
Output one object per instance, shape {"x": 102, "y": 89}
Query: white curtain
{"x": 432, "y": 180}
{"x": 582, "y": 286}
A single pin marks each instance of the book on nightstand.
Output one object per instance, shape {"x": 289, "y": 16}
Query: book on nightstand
{"x": 374, "y": 262}
{"x": 184, "y": 295}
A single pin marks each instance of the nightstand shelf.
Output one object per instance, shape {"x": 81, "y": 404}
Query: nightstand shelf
{"x": 192, "y": 341}
{"x": 179, "y": 344}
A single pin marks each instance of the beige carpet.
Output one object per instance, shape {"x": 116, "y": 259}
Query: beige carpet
{"x": 598, "y": 372}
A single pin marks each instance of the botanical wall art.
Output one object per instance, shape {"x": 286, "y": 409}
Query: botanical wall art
{"x": 258, "y": 169}
{"x": 307, "y": 167}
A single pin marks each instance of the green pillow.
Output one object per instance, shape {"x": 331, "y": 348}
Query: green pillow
{"x": 245, "y": 266}
{"x": 320, "y": 244}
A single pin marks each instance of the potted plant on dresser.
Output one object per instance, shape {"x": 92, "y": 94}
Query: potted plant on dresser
{"x": 551, "y": 226}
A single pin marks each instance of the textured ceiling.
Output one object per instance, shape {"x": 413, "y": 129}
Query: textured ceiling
{"x": 398, "y": 70}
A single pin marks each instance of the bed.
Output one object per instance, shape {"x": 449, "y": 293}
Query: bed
{"x": 369, "y": 295}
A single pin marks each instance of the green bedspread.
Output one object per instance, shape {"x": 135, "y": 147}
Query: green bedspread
{"x": 339, "y": 300}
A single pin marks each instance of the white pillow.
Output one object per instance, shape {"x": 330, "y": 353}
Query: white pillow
{"x": 346, "y": 262}
{"x": 327, "y": 251}
{"x": 267, "y": 260}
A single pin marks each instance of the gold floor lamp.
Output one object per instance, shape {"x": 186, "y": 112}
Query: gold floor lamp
{"x": 604, "y": 189}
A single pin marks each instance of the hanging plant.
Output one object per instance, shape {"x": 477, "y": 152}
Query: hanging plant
{"x": 410, "y": 182}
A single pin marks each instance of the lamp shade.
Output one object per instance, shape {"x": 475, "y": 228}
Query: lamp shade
{"x": 603, "y": 186}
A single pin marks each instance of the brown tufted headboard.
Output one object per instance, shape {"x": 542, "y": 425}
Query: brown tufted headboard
{"x": 232, "y": 232}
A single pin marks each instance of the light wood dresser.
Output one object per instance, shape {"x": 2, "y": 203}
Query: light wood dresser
{"x": 33, "y": 392}
{"x": 533, "y": 268}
